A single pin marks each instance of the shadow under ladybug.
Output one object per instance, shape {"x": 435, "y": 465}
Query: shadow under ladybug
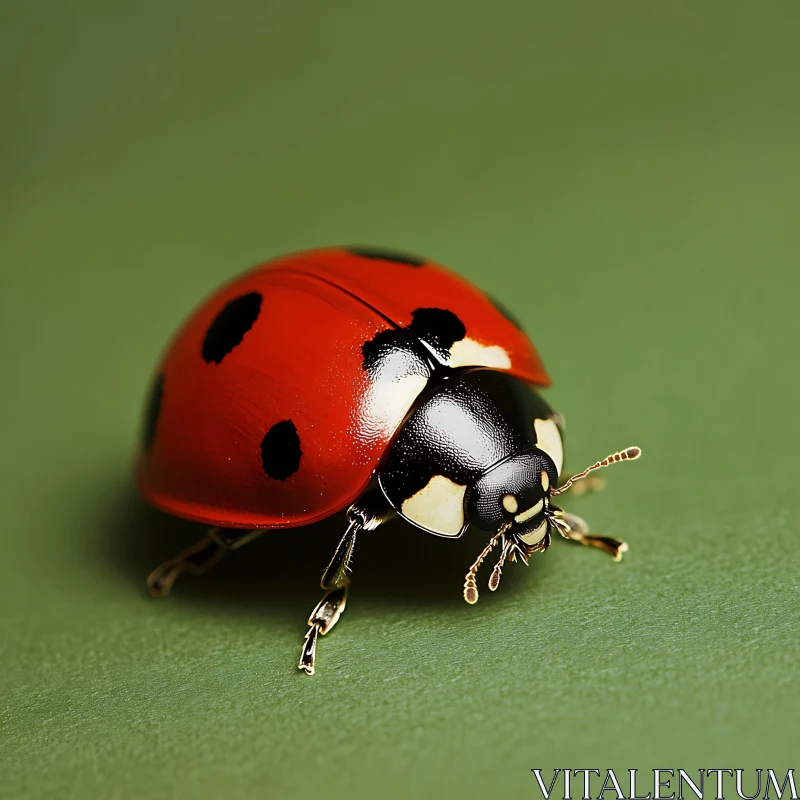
{"x": 277, "y": 575}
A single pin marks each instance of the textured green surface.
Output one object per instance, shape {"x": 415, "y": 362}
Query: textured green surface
{"x": 623, "y": 175}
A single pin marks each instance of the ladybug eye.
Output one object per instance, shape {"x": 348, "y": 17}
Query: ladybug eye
{"x": 510, "y": 503}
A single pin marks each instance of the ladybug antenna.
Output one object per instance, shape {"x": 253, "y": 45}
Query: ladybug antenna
{"x": 470, "y": 584}
{"x": 629, "y": 454}
{"x": 494, "y": 580}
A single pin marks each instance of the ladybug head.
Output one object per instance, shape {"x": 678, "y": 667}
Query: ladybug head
{"x": 515, "y": 495}
{"x": 513, "y": 498}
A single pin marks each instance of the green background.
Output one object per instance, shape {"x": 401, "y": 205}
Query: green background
{"x": 623, "y": 176}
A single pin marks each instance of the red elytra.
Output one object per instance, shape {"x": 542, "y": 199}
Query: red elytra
{"x": 301, "y": 360}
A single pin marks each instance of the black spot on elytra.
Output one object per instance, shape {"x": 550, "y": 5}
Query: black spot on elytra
{"x": 396, "y": 352}
{"x": 392, "y": 355}
{"x": 439, "y": 328}
{"x": 230, "y": 326}
{"x": 382, "y": 347}
{"x": 280, "y": 451}
{"x": 152, "y": 411}
{"x": 506, "y": 313}
{"x": 380, "y": 254}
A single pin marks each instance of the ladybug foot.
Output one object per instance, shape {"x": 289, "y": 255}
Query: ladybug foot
{"x": 199, "y": 558}
{"x": 322, "y": 619}
{"x": 614, "y": 547}
{"x": 160, "y": 580}
{"x": 196, "y": 559}
{"x": 574, "y": 528}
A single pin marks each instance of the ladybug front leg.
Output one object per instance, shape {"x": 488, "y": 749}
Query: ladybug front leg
{"x": 322, "y": 619}
{"x": 575, "y": 528}
{"x": 368, "y": 514}
{"x": 199, "y": 558}
{"x": 336, "y": 580}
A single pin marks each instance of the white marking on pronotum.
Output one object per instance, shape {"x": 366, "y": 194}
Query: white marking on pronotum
{"x": 388, "y": 401}
{"x": 536, "y": 535}
{"x": 531, "y": 512}
{"x": 549, "y": 439}
{"x": 469, "y": 353}
{"x": 510, "y": 503}
{"x": 439, "y": 506}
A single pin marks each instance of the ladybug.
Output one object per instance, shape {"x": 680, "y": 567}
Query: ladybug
{"x": 361, "y": 379}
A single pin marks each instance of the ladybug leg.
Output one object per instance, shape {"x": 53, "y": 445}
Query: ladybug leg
{"x": 198, "y": 558}
{"x": 335, "y": 574}
{"x": 322, "y": 619}
{"x": 369, "y": 513}
{"x": 574, "y": 528}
